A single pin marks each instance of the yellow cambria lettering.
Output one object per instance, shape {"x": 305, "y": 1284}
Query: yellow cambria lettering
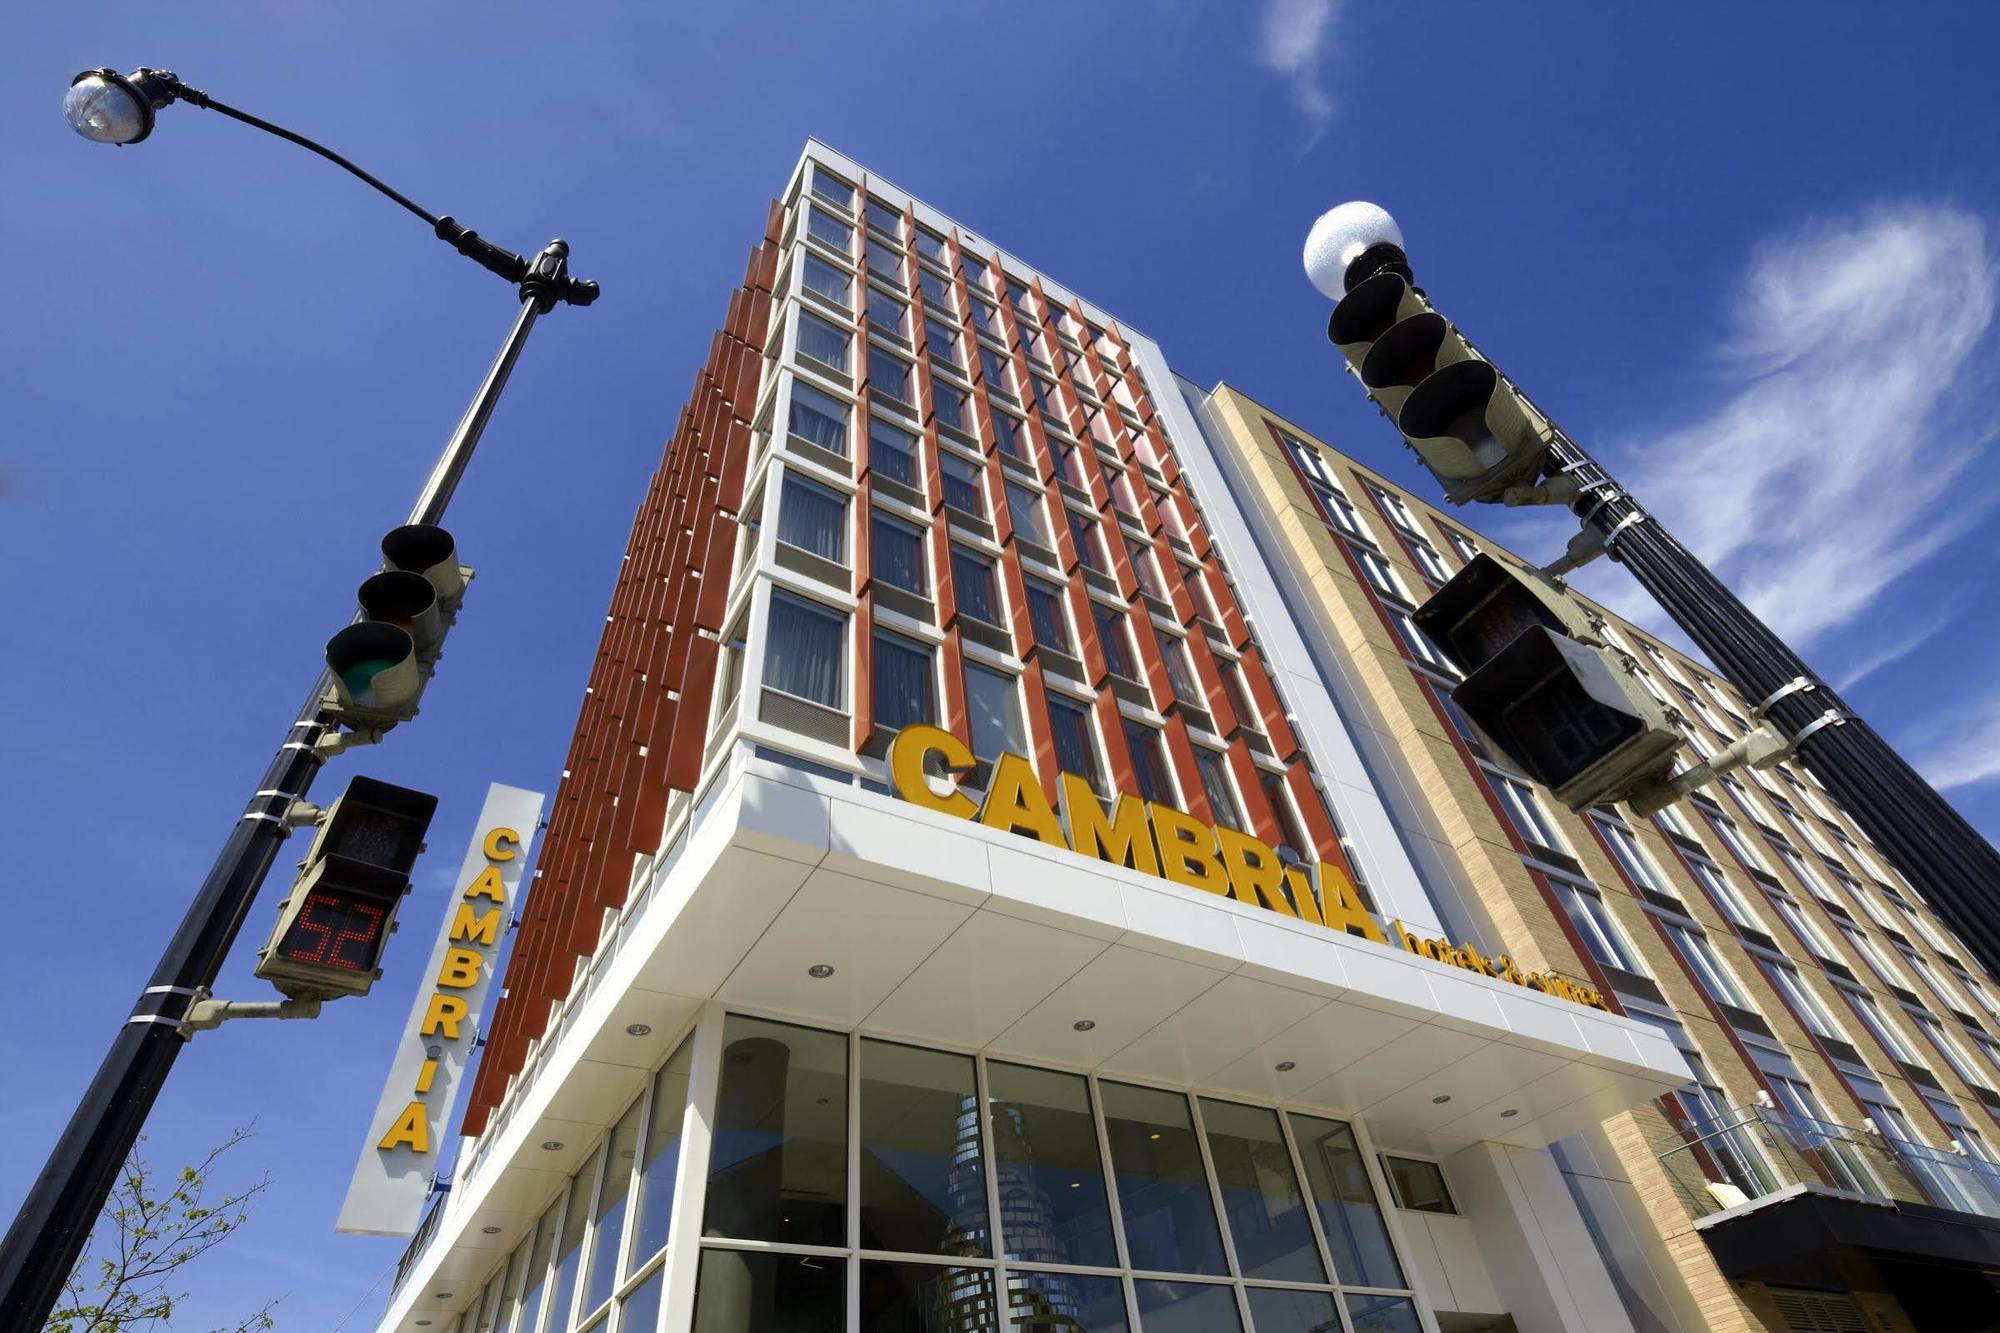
{"x": 487, "y": 885}
{"x": 446, "y": 1012}
{"x": 483, "y": 927}
{"x": 460, "y": 968}
{"x": 1123, "y": 839}
{"x": 1015, "y": 803}
{"x": 907, "y": 755}
{"x": 412, "y": 1130}
{"x": 1256, "y": 875}
{"x": 1187, "y": 850}
{"x": 1341, "y": 906}
{"x": 502, "y": 844}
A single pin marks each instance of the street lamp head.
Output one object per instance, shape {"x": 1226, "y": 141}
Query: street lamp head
{"x": 1350, "y": 243}
{"x": 105, "y": 106}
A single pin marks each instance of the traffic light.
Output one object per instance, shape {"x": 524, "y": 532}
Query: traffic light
{"x": 382, "y": 661}
{"x": 334, "y": 922}
{"x": 1545, "y": 688}
{"x": 1470, "y": 427}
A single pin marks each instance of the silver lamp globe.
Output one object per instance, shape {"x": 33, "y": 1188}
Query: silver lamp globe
{"x": 1342, "y": 235}
{"x": 105, "y": 106}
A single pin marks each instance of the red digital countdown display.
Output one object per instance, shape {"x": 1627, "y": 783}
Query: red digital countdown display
{"x": 336, "y": 929}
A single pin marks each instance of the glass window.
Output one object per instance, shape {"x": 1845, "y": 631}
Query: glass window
{"x": 888, "y": 374}
{"x": 973, "y": 585}
{"x": 1626, "y": 851}
{"x": 1417, "y": 1185}
{"x": 1725, "y": 893}
{"x": 813, "y": 518}
{"x": 1221, "y": 793}
{"x": 1708, "y": 967}
{"x": 1089, "y": 540}
{"x": 1382, "y": 1314}
{"x": 569, "y": 1253}
{"x": 1518, "y": 799}
{"x": 1114, "y": 638}
{"x": 896, "y": 550}
{"x": 1429, "y": 560}
{"x": 885, "y": 218}
{"x": 1045, "y": 613}
{"x": 608, "y": 1234}
{"x": 1198, "y": 593}
{"x": 819, "y": 418}
{"x": 963, "y": 487}
{"x": 950, "y": 405}
{"x": 1075, "y": 750}
{"x": 1066, "y": 1301}
{"x": 942, "y": 342}
{"x": 1180, "y": 672}
{"x": 1277, "y": 1310}
{"x": 823, "y": 342}
{"x": 1024, "y": 507}
{"x": 828, "y": 230}
{"x": 739, "y": 1291}
{"x": 832, "y": 283}
{"x": 640, "y": 1311}
{"x": 1378, "y": 571}
{"x": 936, "y": 289}
{"x": 1593, "y": 921}
{"x": 663, "y": 1155}
{"x": 892, "y": 453}
{"x": 1248, "y": 715}
{"x": 833, "y": 188}
{"x": 1149, "y": 762}
{"x": 885, "y": 312}
{"x": 1162, "y": 1188}
{"x": 1345, "y": 1201}
{"x": 885, "y": 262}
{"x": 538, "y": 1268}
{"x": 923, "y": 1182}
{"x": 778, "y": 1159}
{"x": 1053, "y": 1207}
{"x": 993, "y": 706}
{"x": 999, "y": 374}
{"x": 1007, "y": 436}
{"x": 933, "y": 247}
{"x": 1146, "y": 562}
{"x": 1870, "y": 1013}
{"x": 904, "y": 688}
{"x": 1261, "y": 1198}
{"x": 926, "y": 1298}
{"x": 1186, "y": 1307}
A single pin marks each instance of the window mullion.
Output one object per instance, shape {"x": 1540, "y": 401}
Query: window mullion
{"x": 990, "y": 1163}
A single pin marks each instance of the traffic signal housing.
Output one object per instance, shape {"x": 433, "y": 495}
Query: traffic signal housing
{"x": 1545, "y": 688}
{"x": 381, "y": 663}
{"x": 1471, "y": 428}
{"x": 334, "y": 922}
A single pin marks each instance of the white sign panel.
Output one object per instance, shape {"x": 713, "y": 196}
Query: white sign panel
{"x": 399, "y": 1158}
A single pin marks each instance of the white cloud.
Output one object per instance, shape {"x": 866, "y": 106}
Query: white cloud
{"x": 1292, "y": 39}
{"x": 1966, "y": 748}
{"x": 1842, "y": 457}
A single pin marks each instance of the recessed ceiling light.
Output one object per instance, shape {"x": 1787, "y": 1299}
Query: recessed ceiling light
{"x": 423, "y": 1323}
{"x": 1441, "y": 1099}
{"x": 552, "y": 1145}
{"x": 1509, "y": 1113}
{"x": 1152, "y": 1137}
{"x": 637, "y": 1029}
{"x": 1083, "y": 1025}
{"x": 820, "y": 971}
{"x": 441, "y": 1296}
{"x": 1287, "y": 1066}
{"x": 489, "y": 1231}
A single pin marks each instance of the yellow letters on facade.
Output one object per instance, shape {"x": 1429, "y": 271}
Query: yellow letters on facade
{"x": 487, "y": 885}
{"x": 1256, "y": 875}
{"x": 412, "y": 1130}
{"x": 1187, "y": 850}
{"x": 443, "y": 1017}
{"x": 907, "y": 754}
{"x": 460, "y": 968}
{"x": 502, "y": 844}
{"x": 1341, "y": 906}
{"x": 1123, "y": 839}
{"x": 483, "y": 927}
{"x": 1015, "y": 803}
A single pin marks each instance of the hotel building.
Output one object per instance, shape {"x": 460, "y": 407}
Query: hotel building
{"x": 985, "y": 889}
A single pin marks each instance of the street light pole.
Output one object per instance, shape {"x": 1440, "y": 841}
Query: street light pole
{"x": 47, "y": 1235}
{"x": 1937, "y": 850}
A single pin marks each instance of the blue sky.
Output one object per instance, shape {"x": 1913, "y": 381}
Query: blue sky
{"x": 1746, "y": 253}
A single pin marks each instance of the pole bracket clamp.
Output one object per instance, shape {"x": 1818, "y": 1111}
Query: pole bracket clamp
{"x": 1832, "y": 717}
{"x": 1793, "y": 686}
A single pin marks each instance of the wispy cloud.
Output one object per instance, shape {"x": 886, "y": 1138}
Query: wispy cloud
{"x": 1840, "y": 458}
{"x": 1964, "y": 747}
{"x": 1293, "y": 36}
{"x": 1891, "y": 645}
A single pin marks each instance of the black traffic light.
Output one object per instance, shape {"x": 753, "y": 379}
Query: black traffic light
{"x": 1545, "y": 688}
{"x": 382, "y": 661}
{"x": 1470, "y": 427}
{"x": 336, "y": 919}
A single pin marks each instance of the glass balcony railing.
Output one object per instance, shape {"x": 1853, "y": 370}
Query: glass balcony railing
{"x": 1751, "y": 1153}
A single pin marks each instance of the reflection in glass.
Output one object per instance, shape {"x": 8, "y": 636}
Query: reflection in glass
{"x": 663, "y": 1155}
{"x": 739, "y": 1291}
{"x": 503, "y": 1305}
{"x": 926, "y": 1298}
{"x": 569, "y": 1253}
{"x": 609, "y": 1234}
{"x": 1187, "y": 1307}
{"x": 1383, "y": 1314}
{"x": 1275, "y": 1310}
{"x": 778, "y": 1163}
{"x": 538, "y": 1269}
{"x": 1162, "y": 1189}
{"x": 923, "y": 1181}
{"x": 1053, "y": 1208}
{"x": 1066, "y": 1303}
{"x": 1261, "y": 1198}
{"x": 640, "y": 1311}
{"x": 1348, "y": 1212}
